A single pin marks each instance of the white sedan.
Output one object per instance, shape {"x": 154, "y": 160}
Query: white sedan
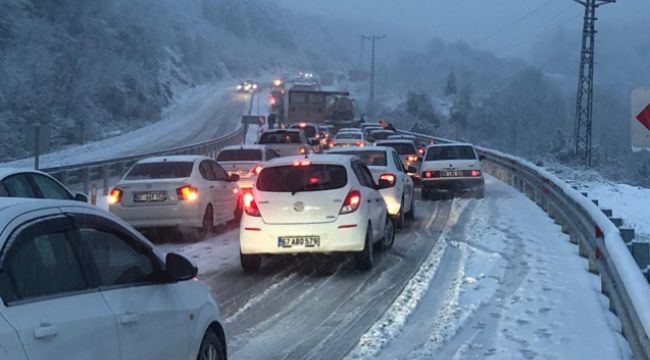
{"x": 245, "y": 161}
{"x": 188, "y": 192}
{"x": 322, "y": 204}
{"x": 349, "y": 139}
{"x": 452, "y": 168}
{"x": 385, "y": 164}
{"x": 79, "y": 283}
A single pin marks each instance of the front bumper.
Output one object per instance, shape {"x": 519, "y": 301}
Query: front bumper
{"x": 452, "y": 184}
{"x": 257, "y": 237}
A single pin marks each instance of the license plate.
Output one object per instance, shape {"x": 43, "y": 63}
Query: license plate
{"x": 451, "y": 174}
{"x": 237, "y": 172}
{"x": 299, "y": 241}
{"x": 150, "y": 196}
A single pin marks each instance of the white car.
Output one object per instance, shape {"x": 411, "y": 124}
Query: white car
{"x": 385, "y": 164}
{"x": 311, "y": 133}
{"x": 408, "y": 154}
{"x": 322, "y": 204}
{"x": 79, "y": 283}
{"x": 452, "y": 168}
{"x": 182, "y": 191}
{"x": 349, "y": 139}
{"x": 286, "y": 142}
{"x": 34, "y": 184}
{"x": 245, "y": 161}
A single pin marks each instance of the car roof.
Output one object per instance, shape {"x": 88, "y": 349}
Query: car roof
{"x": 314, "y": 159}
{"x": 4, "y": 172}
{"x": 245, "y": 147}
{"x": 450, "y": 144}
{"x": 382, "y": 130}
{"x": 396, "y": 141}
{"x": 273, "y": 131}
{"x": 359, "y": 149}
{"x": 181, "y": 158}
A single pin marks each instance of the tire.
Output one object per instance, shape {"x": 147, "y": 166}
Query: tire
{"x": 411, "y": 213}
{"x": 399, "y": 218}
{"x": 250, "y": 263}
{"x": 239, "y": 212}
{"x": 207, "y": 224}
{"x": 211, "y": 347}
{"x": 365, "y": 258}
{"x": 479, "y": 193}
{"x": 389, "y": 235}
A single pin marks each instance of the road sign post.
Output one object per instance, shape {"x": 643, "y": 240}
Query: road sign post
{"x": 640, "y": 126}
{"x": 37, "y": 139}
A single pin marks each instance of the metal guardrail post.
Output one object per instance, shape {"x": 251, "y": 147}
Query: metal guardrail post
{"x": 618, "y": 222}
{"x": 641, "y": 253}
{"x": 627, "y": 235}
{"x": 607, "y": 212}
{"x": 105, "y": 175}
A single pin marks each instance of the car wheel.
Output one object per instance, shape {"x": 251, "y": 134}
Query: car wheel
{"x": 207, "y": 224}
{"x": 211, "y": 347}
{"x": 479, "y": 193}
{"x": 399, "y": 218}
{"x": 424, "y": 194}
{"x": 250, "y": 263}
{"x": 365, "y": 258}
{"x": 411, "y": 213}
{"x": 239, "y": 211}
{"x": 389, "y": 235}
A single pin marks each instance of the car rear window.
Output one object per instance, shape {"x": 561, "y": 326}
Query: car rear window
{"x": 348, "y": 135}
{"x": 302, "y": 178}
{"x": 369, "y": 157}
{"x": 450, "y": 153}
{"x": 401, "y": 148}
{"x": 380, "y": 135}
{"x": 280, "y": 138}
{"x": 161, "y": 170}
{"x": 240, "y": 155}
{"x": 310, "y": 131}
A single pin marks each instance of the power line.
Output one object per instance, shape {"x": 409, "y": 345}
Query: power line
{"x": 517, "y": 21}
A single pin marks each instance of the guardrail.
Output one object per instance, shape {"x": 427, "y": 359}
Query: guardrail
{"x": 108, "y": 171}
{"x": 612, "y": 253}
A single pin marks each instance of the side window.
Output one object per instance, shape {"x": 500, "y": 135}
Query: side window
{"x": 363, "y": 174}
{"x": 50, "y": 189}
{"x": 366, "y": 173}
{"x": 219, "y": 171}
{"x": 3, "y": 190}
{"x": 42, "y": 261}
{"x": 397, "y": 161}
{"x": 19, "y": 186}
{"x": 118, "y": 259}
{"x": 206, "y": 171}
{"x": 270, "y": 154}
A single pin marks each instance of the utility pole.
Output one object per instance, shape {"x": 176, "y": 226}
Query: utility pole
{"x": 371, "y": 97}
{"x": 584, "y": 98}
{"x": 360, "y": 67}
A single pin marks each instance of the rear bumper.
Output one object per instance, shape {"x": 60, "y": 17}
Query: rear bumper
{"x": 180, "y": 214}
{"x": 454, "y": 184}
{"x": 257, "y": 237}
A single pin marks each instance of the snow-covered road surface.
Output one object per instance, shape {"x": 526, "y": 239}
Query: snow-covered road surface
{"x": 470, "y": 279}
{"x": 203, "y": 113}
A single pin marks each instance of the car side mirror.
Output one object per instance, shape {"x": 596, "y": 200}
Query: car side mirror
{"x": 179, "y": 268}
{"x": 233, "y": 178}
{"x": 411, "y": 170}
{"x": 384, "y": 184}
{"x": 481, "y": 157}
{"x": 81, "y": 197}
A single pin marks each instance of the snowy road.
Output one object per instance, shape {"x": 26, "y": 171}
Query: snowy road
{"x": 203, "y": 113}
{"x": 469, "y": 279}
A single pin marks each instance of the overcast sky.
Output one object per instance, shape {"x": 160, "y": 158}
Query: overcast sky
{"x": 507, "y": 27}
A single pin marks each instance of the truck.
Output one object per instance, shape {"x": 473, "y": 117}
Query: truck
{"x": 310, "y": 104}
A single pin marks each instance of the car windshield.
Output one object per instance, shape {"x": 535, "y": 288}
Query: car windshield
{"x": 348, "y": 135}
{"x": 309, "y": 131}
{"x": 161, "y": 170}
{"x": 450, "y": 153}
{"x": 302, "y": 178}
{"x": 401, "y": 148}
{"x": 369, "y": 157}
{"x": 240, "y": 155}
{"x": 280, "y": 138}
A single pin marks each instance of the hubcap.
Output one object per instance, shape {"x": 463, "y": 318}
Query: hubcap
{"x": 209, "y": 353}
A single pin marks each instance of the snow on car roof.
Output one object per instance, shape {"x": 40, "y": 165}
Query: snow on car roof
{"x": 395, "y": 141}
{"x": 245, "y": 147}
{"x": 12, "y": 207}
{"x": 313, "y": 159}
{"x": 358, "y": 149}
{"x": 449, "y": 144}
{"x": 281, "y": 131}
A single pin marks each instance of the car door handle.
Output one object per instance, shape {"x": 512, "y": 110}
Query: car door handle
{"x": 45, "y": 331}
{"x": 129, "y": 318}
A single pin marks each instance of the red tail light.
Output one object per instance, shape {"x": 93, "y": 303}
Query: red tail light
{"x": 187, "y": 192}
{"x": 256, "y": 169}
{"x": 250, "y": 206}
{"x": 421, "y": 151}
{"x": 301, "y": 163}
{"x": 115, "y": 196}
{"x": 473, "y": 173}
{"x": 351, "y": 203}
{"x": 430, "y": 174}
{"x": 388, "y": 177}
{"x": 360, "y": 144}
{"x": 333, "y": 143}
